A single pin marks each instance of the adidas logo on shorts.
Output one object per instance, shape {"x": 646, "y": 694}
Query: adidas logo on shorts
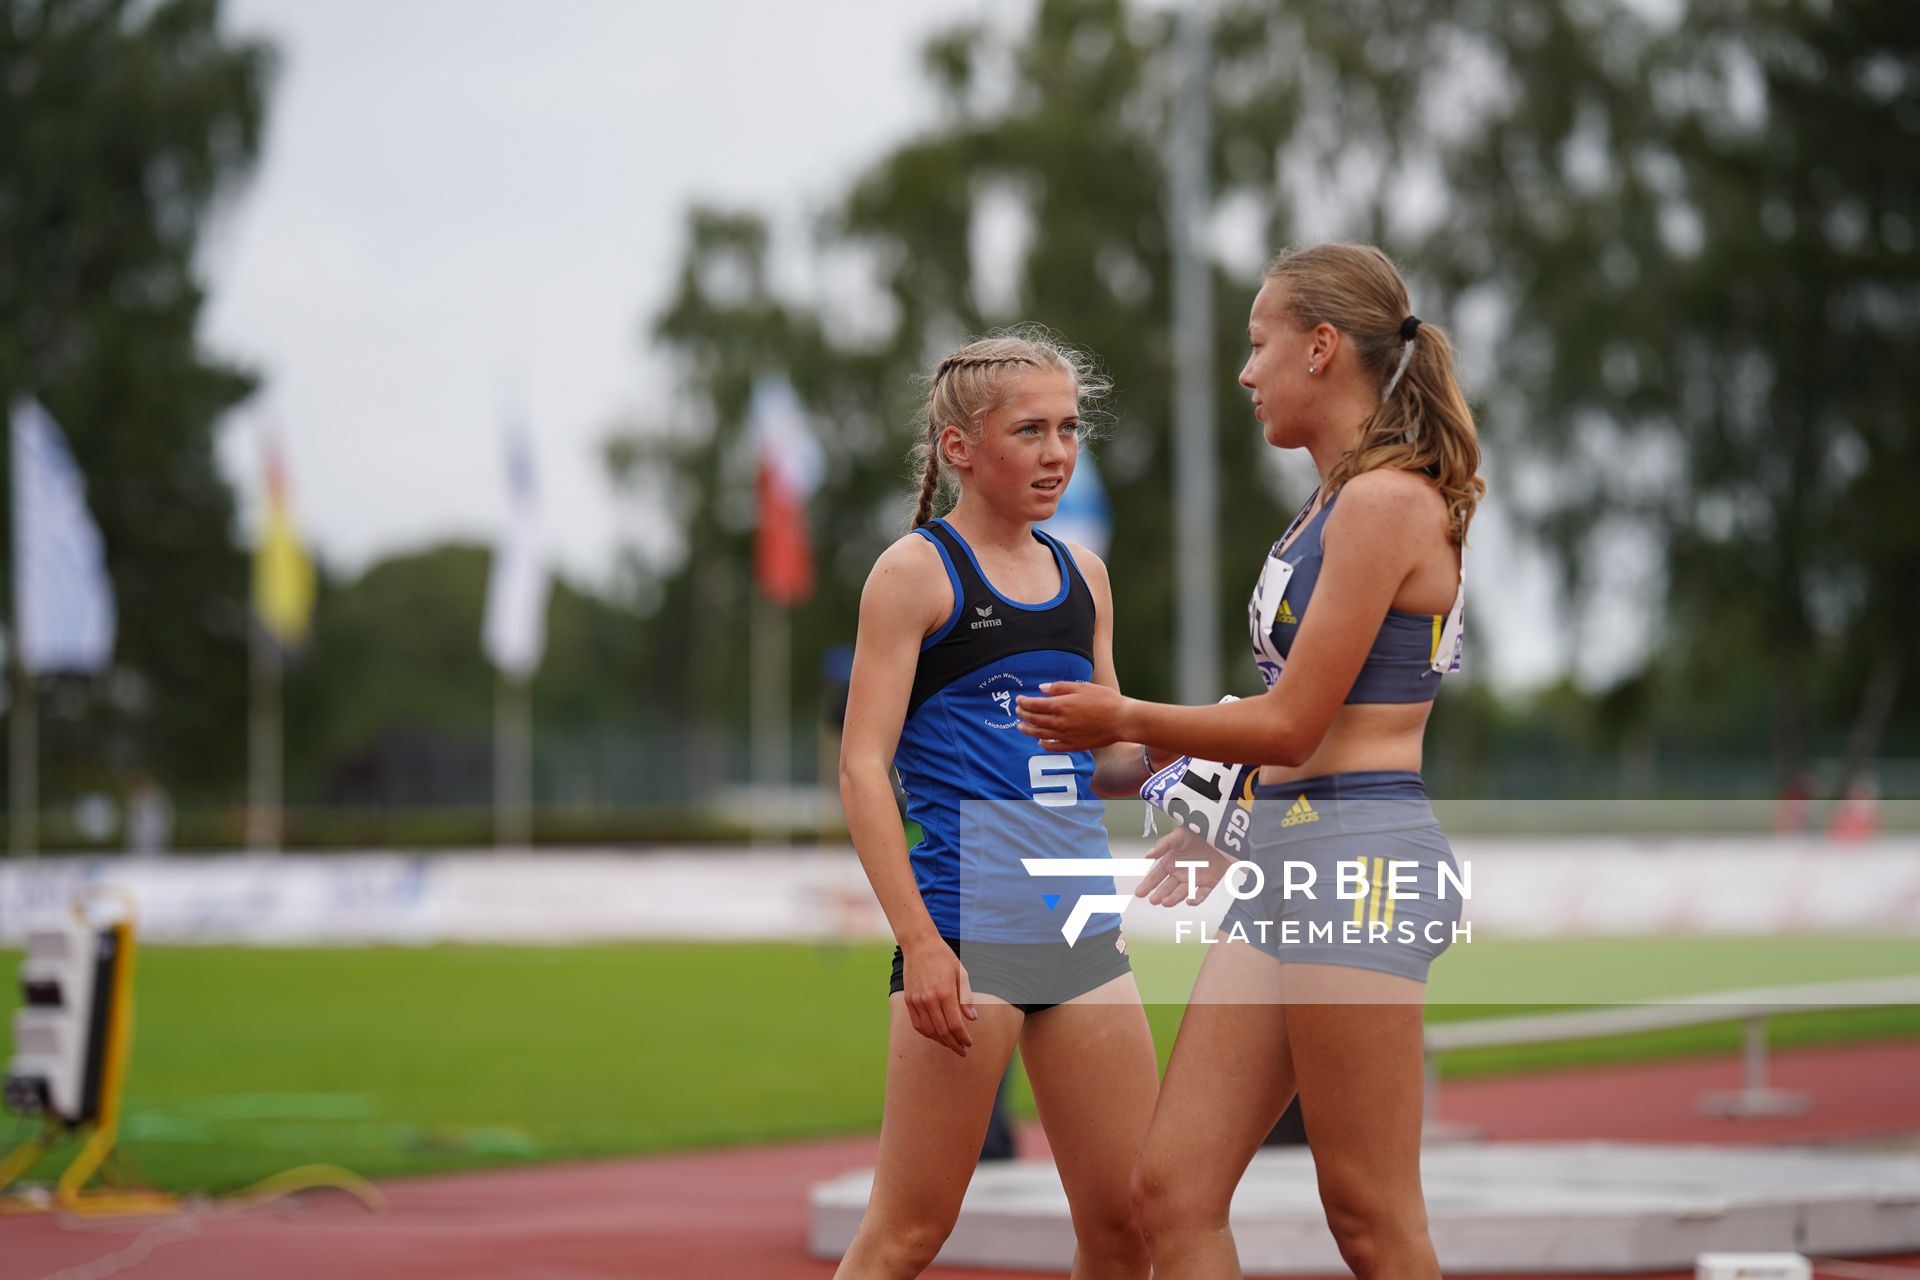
{"x": 1299, "y": 813}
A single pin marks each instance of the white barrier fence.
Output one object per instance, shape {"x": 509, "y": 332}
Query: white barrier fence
{"x": 1753, "y": 1007}
{"x": 1555, "y": 887}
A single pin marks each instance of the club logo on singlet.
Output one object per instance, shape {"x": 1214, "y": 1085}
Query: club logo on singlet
{"x": 1001, "y": 688}
{"x": 986, "y": 618}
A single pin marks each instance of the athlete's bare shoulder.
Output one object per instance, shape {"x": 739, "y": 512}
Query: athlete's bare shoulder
{"x": 909, "y": 579}
{"x": 1401, "y": 504}
{"x": 1390, "y": 526}
{"x": 1092, "y": 568}
{"x": 908, "y": 555}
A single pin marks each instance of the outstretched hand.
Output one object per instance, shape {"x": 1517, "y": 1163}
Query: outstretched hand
{"x": 1167, "y": 884}
{"x": 1073, "y": 715}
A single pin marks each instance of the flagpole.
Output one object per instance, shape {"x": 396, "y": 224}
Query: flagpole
{"x": 63, "y": 611}
{"x": 772, "y": 725}
{"x": 1195, "y": 488}
{"x": 265, "y": 740}
{"x": 512, "y": 762}
{"x": 789, "y": 469}
{"x": 283, "y": 591}
{"x": 23, "y": 764}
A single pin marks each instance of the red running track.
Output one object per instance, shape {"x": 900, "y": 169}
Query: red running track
{"x": 741, "y": 1213}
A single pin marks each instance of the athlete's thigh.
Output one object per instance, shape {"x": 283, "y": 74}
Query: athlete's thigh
{"x": 936, "y": 1111}
{"x": 1094, "y": 1077}
{"x": 1230, "y": 1076}
{"x": 1357, "y": 1052}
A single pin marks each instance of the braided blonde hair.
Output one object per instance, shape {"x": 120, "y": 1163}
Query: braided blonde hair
{"x": 972, "y": 382}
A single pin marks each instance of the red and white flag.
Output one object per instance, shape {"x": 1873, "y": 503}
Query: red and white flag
{"x": 789, "y": 468}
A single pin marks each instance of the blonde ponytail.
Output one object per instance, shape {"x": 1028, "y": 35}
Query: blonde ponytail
{"x": 1423, "y": 423}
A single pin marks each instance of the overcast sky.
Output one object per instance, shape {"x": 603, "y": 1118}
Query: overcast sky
{"x": 466, "y": 211}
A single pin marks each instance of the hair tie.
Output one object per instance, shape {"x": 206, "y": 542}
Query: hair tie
{"x": 1408, "y": 327}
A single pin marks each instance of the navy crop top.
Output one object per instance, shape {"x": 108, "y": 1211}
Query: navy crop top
{"x": 1410, "y": 653}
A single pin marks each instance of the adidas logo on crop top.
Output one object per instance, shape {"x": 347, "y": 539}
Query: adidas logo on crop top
{"x": 985, "y": 794}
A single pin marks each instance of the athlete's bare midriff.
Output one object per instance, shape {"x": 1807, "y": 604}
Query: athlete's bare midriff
{"x": 1363, "y": 737}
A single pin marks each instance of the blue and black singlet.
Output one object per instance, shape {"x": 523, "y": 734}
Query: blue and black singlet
{"x": 985, "y": 794}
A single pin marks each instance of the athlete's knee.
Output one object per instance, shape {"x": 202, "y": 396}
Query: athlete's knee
{"x": 1166, "y": 1203}
{"x": 1147, "y": 1190}
{"x": 1369, "y": 1226}
{"x": 1110, "y": 1243}
{"x": 916, "y": 1243}
{"x": 903, "y": 1246}
{"x": 1355, "y": 1237}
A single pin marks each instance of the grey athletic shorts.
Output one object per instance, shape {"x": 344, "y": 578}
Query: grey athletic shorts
{"x": 1351, "y": 874}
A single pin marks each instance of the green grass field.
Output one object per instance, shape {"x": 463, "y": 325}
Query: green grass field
{"x": 395, "y": 1060}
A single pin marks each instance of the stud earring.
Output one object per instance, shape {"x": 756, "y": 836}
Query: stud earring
{"x": 1313, "y": 368}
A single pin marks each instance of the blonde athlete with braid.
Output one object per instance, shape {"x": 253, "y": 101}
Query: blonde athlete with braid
{"x": 958, "y": 618}
{"x": 1355, "y": 620}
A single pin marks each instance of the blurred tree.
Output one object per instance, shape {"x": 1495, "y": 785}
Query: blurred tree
{"x": 1677, "y": 244}
{"x": 1056, "y": 134}
{"x": 124, "y": 124}
{"x": 1700, "y": 229}
{"x": 393, "y": 703}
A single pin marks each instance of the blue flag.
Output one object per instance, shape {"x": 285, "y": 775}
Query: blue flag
{"x": 63, "y": 615}
{"x": 1083, "y": 515}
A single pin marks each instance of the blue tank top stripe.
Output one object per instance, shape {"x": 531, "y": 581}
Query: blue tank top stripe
{"x": 1060, "y": 559}
{"x": 953, "y": 580}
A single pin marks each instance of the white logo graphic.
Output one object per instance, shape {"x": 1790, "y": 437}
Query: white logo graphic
{"x": 987, "y": 618}
{"x": 1089, "y": 905}
{"x": 1053, "y": 782}
{"x": 1001, "y": 688}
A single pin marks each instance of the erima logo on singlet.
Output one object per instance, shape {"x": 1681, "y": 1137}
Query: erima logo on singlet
{"x": 986, "y": 618}
{"x": 1299, "y": 813}
{"x": 1285, "y": 614}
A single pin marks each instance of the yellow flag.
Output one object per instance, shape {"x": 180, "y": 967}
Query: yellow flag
{"x": 282, "y": 573}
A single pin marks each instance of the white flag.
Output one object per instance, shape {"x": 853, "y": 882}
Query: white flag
{"x": 515, "y": 634}
{"x": 63, "y": 617}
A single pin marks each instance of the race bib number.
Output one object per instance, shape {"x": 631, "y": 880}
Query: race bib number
{"x": 1210, "y": 799}
{"x": 1262, "y": 608}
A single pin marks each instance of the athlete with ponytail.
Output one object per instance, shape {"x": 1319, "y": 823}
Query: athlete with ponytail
{"x": 1355, "y": 619}
{"x": 957, "y": 619}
